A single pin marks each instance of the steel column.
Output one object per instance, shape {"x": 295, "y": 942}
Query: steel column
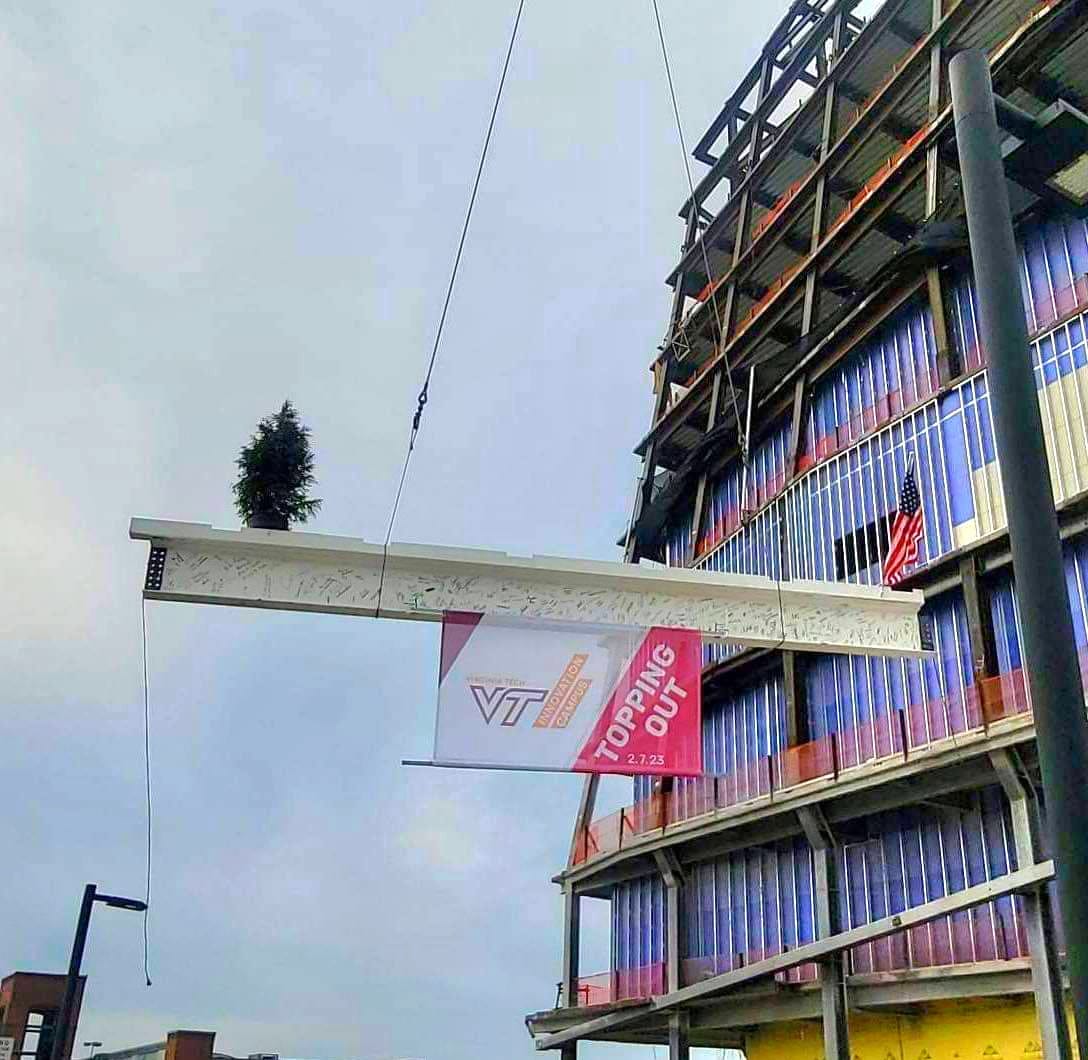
{"x": 663, "y": 381}
{"x": 797, "y": 424}
{"x": 1050, "y": 658}
{"x": 1046, "y": 979}
{"x": 673, "y": 879}
{"x": 945, "y": 367}
{"x": 691, "y": 233}
{"x": 572, "y": 944}
{"x": 979, "y": 621}
{"x": 679, "y": 1040}
{"x": 62, "y": 1031}
{"x": 827, "y": 132}
{"x": 699, "y": 514}
{"x": 945, "y": 353}
{"x": 793, "y": 688}
{"x": 936, "y": 69}
{"x": 585, "y": 812}
{"x": 832, "y": 967}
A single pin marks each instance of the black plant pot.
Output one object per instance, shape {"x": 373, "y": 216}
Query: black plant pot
{"x": 268, "y": 521}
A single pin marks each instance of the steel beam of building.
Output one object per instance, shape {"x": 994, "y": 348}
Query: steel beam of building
{"x": 833, "y": 999}
{"x": 572, "y": 945}
{"x": 673, "y": 878}
{"x": 1038, "y": 910}
{"x": 1023, "y": 880}
{"x": 195, "y": 563}
{"x": 679, "y": 1036}
{"x": 761, "y": 1004}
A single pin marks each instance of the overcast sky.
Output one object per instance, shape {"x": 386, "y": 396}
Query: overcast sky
{"x": 208, "y": 207}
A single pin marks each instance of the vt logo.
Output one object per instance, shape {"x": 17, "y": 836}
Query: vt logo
{"x": 512, "y": 701}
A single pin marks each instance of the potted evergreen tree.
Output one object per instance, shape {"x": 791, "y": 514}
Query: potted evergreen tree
{"x": 275, "y": 473}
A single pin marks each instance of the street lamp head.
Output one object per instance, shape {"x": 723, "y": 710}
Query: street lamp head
{"x": 118, "y": 902}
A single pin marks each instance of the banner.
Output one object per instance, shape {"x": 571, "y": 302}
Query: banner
{"x": 518, "y": 693}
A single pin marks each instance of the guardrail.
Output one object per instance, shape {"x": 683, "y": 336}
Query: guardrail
{"x": 890, "y": 738}
{"x": 623, "y": 984}
{"x": 983, "y": 934}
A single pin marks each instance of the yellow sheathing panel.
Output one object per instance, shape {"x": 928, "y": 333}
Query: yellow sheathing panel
{"x": 1056, "y": 428}
{"x": 971, "y": 1029}
{"x": 1062, "y": 406}
{"x": 966, "y": 532}
{"x": 1075, "y": 389}
{"x": 988, "y": 499}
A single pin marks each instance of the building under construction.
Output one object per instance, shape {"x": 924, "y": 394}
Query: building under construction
{"x": 823, "y": 338}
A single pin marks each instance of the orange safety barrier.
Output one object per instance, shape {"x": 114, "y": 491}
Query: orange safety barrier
{"x": 751, "y": 780}
{"x": 780, "y": 204}
{"x": 710, "y": 287}
{"x": 691, "y": 797}
{"x": 623, "y": 984}
{"x": 878, "y": 179}
{"x": 601, "y": 837}
{"x": 597, "y": 989}
{"x": 1004, "y": 696}
{"x": 610, "y": 834}
{"x": 960, "y": 938}
{"x": 649, "y": 814}
{"x": 768, "y": 297}
{"x": 807, "y": 761}
{"x": 893, "y": 734}
{"x": 647, "y": 981}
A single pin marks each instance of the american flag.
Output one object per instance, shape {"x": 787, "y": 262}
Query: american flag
{"x": 907, "y": 531}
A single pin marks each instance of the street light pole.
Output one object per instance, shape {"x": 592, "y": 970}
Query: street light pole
{"x": 1050, "y": 660}
{"x": 60, "y": 1031}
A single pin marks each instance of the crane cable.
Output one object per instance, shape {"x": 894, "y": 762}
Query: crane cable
{"x": 702, "y": 242}
{"x": 424, "y": 393}
{"x": 742, "y": 432}
{"x": 147, "y": 787}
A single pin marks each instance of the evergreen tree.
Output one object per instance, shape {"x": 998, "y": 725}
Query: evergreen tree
{"x": 276, "y": 472}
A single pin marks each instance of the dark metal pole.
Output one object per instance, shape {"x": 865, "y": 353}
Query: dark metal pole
{"x": 61, "y": 1031}
{"x": 1050, "y": 659}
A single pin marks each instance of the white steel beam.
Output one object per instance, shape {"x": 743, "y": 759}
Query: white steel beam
{"x": 295, "y": 571}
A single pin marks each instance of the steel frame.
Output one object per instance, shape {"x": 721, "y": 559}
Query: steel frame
{"x": 1023, "y": 880}
{"x": 828, "y": 244}
{"x": 801, "y": 230}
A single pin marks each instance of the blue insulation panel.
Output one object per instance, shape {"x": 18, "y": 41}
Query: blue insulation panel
{"x": 755, "y": 903}
{"x": 879, "y": 408}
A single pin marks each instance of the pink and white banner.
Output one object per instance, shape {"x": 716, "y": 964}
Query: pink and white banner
{"x": 519, "y": 693}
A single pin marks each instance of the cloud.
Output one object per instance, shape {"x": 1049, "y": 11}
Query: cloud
{"x": 205, "y": 208}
